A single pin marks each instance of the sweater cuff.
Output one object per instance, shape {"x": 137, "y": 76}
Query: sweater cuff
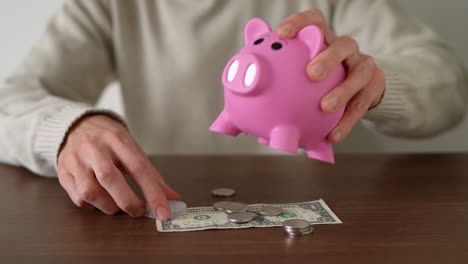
{"x": 53, "y": 130}
{"x": 392, "y": 106}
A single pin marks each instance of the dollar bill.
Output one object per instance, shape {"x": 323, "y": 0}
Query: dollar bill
{"x": 203, "y": 218}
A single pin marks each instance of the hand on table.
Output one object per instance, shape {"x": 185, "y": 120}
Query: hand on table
{"x": 96, "y": 153}
{"x": 365, "y": 83}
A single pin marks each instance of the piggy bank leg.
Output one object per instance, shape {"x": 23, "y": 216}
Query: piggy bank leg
{"x": 223, "y": 125}
{"x": 323, "y": 152}
{"x": 263, "y": 141}
{"x": 285, "y": 138}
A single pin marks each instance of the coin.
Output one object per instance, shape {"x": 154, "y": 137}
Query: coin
{"x": 235, "y": 207}
{"x": 294, "y": 229}
{"x": 149, "y": 214}
{"x": 297, "y": 227}
{"x": 240, "y": 218}
{"x": 270, "y": 210}
{"x": 296, "y": 224}
{"x": 220, "y": 206}
{"x": 299, "y": 233}
{"x": 178, "y": 208}
{"x": 223, "y": 192}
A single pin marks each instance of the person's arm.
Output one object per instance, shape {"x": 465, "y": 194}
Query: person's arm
{"x": 426, "y": 87}
{"x": 58, "y": 82}
{"x": 47, "y": 118}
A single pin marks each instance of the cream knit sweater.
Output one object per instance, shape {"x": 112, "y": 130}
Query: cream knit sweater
{"x": 169, "y": 54}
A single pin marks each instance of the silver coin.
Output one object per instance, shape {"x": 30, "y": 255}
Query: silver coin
{"x": 296, "y": 229}
{"x": 223, "y": 192}
{"x": 235, "y": 207}
{"x": 178, "y": 208}
{"x": 149, "y": 214}
{"x": 269, "y": 210}
{"x": 299, "y": 233}
{"x": 292, "y": 230}
{"x": 296, "y": 224}
{"x": 221, "y": 206}
{"x": 296, "y": 235}
{"x": 240, "y": 218}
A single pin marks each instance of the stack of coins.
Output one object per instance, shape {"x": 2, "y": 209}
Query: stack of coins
{"x": 239, "y": 213}
{"x": 297, "y": 227}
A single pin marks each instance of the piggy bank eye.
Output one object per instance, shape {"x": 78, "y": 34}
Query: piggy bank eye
{"x": 276, "y": 46}
{"x": 258, "y": 41}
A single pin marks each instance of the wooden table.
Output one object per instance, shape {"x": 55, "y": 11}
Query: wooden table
{"x": 395, "y": 209}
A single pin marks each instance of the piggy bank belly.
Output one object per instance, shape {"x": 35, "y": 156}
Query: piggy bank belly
{"x": 287, "y": 121}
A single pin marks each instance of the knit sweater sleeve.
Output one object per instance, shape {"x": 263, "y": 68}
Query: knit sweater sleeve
{"x": 58, "y": 82}
{"x": 426, "y": 87}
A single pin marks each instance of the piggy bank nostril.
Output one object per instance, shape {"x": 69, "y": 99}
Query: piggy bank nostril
{"x": 276, "y": 46}
{"x": 250, "y": 75}
{"x": 233, "y": 71}
{"x": 259, "y": 41}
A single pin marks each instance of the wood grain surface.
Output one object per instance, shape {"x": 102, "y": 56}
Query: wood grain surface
{"x": 395, "y": 209}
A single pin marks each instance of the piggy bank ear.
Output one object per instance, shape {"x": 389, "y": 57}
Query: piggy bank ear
{"x": 313, "y": 37}
{"x": 254, "y": 29}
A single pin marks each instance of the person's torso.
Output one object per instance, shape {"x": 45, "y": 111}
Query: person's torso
{"x": 170, "y": 55}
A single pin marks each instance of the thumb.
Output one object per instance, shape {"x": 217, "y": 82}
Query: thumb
{"x": 169, "y": 192}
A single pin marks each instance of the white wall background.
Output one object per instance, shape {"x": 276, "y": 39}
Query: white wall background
{"x": 22, "y": 22}
{"x": 449, "y": 18}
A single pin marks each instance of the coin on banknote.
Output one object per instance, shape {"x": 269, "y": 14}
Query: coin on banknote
{"x": 223, "y": 192}
{"x": 221, "y": 206}
{"x": 269, "y": 210}
{"x": 240, "y": 218}
{"x": 235, "y": 207}
{"x": 178, "y": 208}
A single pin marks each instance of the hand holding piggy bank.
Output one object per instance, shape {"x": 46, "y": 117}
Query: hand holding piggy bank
{"x": 268, "y": 94}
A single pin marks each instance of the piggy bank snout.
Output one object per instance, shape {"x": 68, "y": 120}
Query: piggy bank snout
{"x": 243, "y": 73}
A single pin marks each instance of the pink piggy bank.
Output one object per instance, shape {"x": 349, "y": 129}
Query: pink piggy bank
{"x": 268, "y": 94}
